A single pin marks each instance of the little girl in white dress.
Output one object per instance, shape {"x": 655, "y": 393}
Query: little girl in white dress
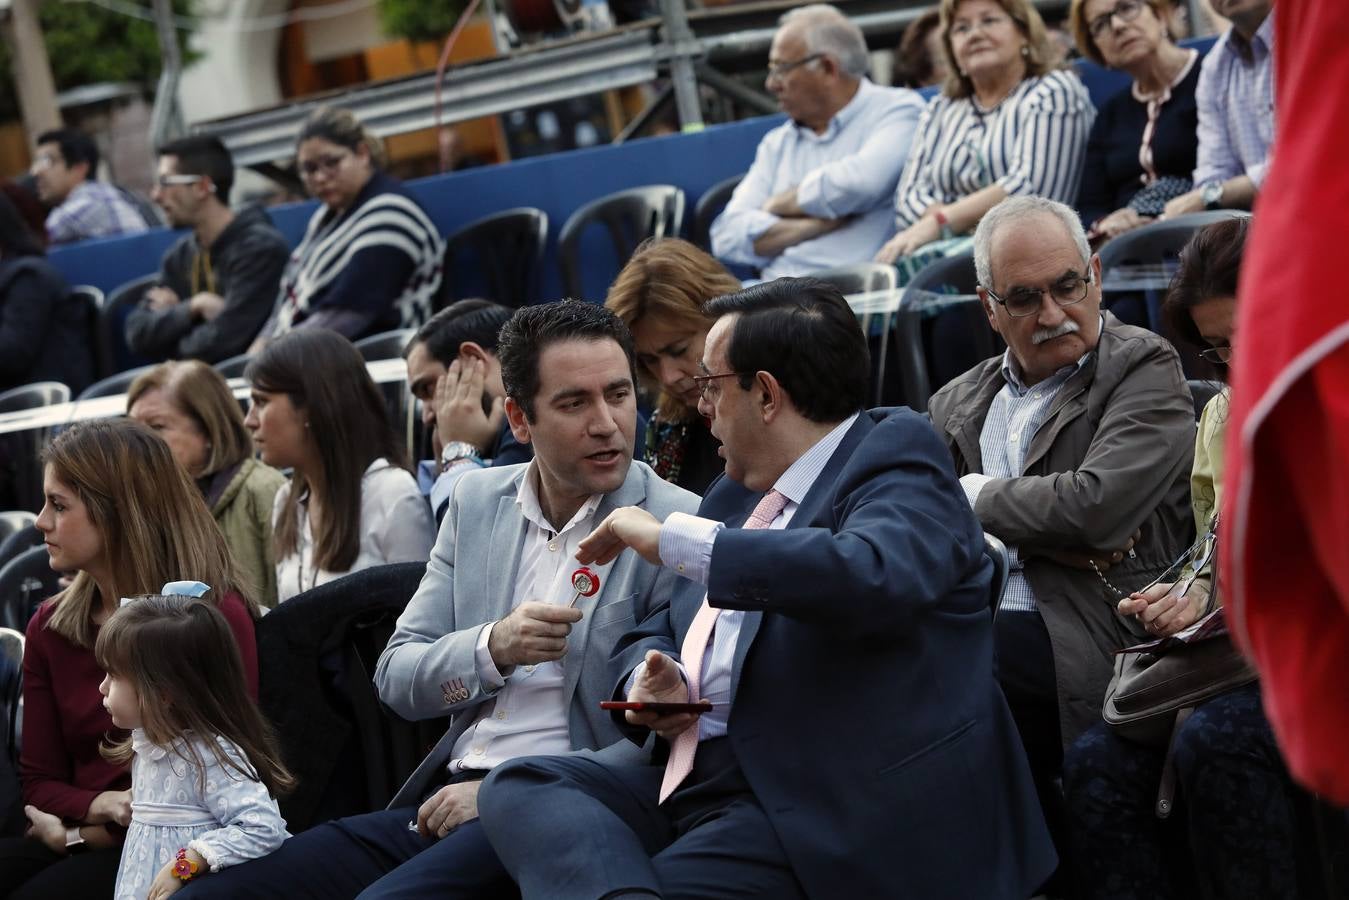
{"x": 204, "y": 773}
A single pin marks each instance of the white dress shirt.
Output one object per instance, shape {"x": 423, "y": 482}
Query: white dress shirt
{"x": 687, "y": 544}
{"x": 528, "y": 716}
{"x": 850, "y": 170}
{"x": 396, "y": 527}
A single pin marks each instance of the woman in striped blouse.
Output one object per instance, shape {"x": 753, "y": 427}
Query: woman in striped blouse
{"x": 370, "y": 258}
{"x": 1007, "y": 122}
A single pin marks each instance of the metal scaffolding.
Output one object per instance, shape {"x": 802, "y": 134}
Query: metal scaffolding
{"x": 685, "y": 48}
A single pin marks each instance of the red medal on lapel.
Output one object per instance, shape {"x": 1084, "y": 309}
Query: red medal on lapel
{"x": 585, "y": 583}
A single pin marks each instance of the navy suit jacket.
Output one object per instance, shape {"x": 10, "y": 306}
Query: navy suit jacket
{"x": 866, "y": 716}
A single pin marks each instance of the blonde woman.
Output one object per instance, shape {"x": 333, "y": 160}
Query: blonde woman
{"x": 1009, "y": 121}
{"x": 190, "y": 406}
{"x": 660, "y": 296}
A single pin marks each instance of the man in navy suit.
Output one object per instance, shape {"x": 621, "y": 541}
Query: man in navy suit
{"x": 857, "y": 743}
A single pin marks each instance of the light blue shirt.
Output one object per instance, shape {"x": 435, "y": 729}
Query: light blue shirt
{"x": 1235, "y": 98}
{"x": 850, "y": 170}
{"x": 1017, "y": 412}
{"x": 687, "y": 544}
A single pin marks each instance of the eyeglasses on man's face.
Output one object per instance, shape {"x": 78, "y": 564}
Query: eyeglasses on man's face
{"x": 46, "y": 161}
{"x": 327, "y": 163}
{"x": 782, "y": 70}
{"x": 1126, "y": 10}
{"x": 1026, "y": 301}
{"x": 708, "y": 388}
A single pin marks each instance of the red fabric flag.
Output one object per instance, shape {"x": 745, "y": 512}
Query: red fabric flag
{"x": 1285, "y": 556}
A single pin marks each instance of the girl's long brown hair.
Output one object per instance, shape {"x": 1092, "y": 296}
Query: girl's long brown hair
{"x": 325, "y": 377}
{"x": 183, "y": 660}
{"x": 153, "y": 521}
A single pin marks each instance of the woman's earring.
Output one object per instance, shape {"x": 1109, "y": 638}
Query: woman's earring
{"x": 1025, "y": 50}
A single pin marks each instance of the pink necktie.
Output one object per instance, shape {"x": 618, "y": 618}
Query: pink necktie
{"x": 680, "y": 763}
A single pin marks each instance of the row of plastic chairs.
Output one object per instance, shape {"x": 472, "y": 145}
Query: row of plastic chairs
{"x": 938, "y": 330}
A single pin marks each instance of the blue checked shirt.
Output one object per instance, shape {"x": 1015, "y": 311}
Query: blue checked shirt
{"x": 1235, "y": 97}
{"x": 1016, "y": 414}
{"x": 92, "y": 209}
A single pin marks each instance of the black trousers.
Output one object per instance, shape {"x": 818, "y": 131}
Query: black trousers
{"x": 572, "y": 828}
{"x": 29, "y": 871}
{"x": 373, "y": 855}
{"x": 1025, "y": 665}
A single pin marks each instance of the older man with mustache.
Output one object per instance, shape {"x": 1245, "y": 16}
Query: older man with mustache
{"x": 1073, "y": 447}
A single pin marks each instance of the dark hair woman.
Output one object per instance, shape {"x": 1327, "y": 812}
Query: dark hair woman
{"x": 351, "y": 502}
{"x": 370, "y": 258}
{"x": 1235, "y": 799}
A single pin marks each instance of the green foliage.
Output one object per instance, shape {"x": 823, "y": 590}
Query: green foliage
{"x": 89, "y": 44}
{"x": 419, "y": 20}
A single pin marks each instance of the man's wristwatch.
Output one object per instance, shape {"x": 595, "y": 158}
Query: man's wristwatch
{"x": 74, "y": 840}
{"x": 1212, "y": 195}
{"x": 457, "y": 451}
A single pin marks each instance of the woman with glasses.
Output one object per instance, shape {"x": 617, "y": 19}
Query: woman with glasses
{"x": 660, "y": 296}
{"x": 370, "y": 257}
{"x": 1008, "y": 121}
{"x": 1141, "y": 151}
{"x": 1232, "y": 832}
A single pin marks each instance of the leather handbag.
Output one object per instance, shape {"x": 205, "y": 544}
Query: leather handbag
{"x": 1158, "y": 684}
{"x": 1151, "y": 685}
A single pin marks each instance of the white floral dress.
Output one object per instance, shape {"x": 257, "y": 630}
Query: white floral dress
{"x": 232, "y": 820}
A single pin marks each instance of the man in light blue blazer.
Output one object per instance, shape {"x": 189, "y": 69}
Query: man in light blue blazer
{"x": 496, "y": 636}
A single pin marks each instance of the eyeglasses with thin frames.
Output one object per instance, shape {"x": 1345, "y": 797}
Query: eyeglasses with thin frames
{"x": 1026, "y": 301}
{"x": 1217, "y": 354}
{"x": 1125, "y": 10}
{"x": 781, "y": 70}
{"x": 1186, "y": 567}
{"x": 328, "y": 163}
{"x": 707, "y": 388}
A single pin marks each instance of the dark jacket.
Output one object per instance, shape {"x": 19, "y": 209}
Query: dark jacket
{"x": 1113, "y": 173}
{"x": 246, "y": 262}
{"x": 44, "y": 330}
{"x": 1112, "y": 457}
{"x": 864, "y": 713}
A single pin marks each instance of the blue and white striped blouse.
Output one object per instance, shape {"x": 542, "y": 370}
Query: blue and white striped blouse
{"x": 1033, "y": 142}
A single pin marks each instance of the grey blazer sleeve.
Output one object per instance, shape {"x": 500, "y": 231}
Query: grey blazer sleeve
{"x": 428, "y": 668}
